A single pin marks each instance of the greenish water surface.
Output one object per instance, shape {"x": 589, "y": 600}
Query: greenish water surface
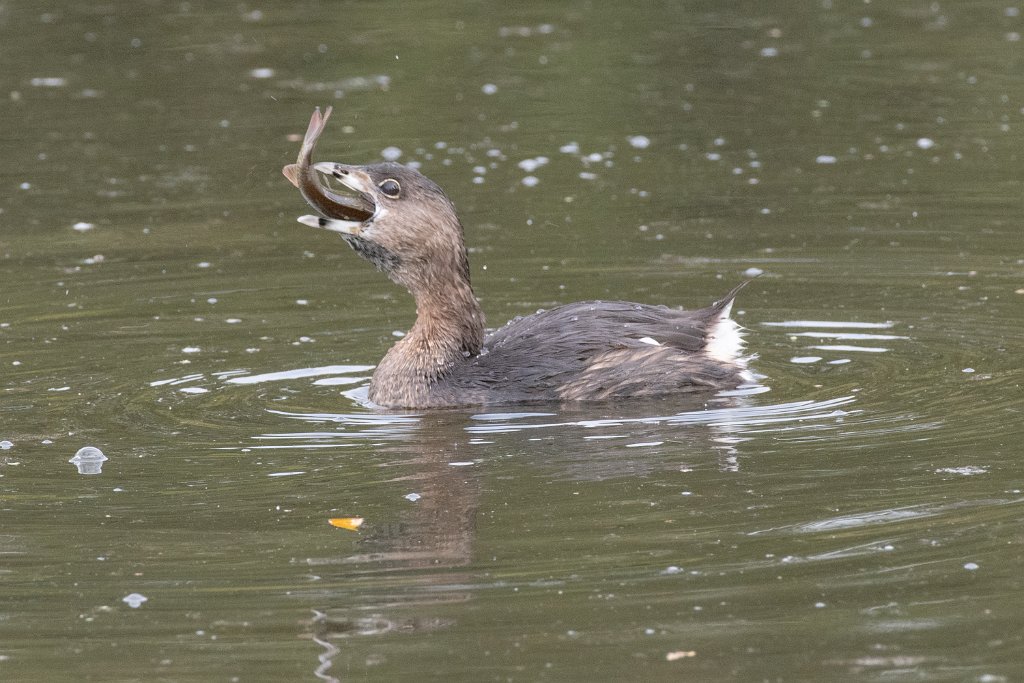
{"x": 857, "y": 516}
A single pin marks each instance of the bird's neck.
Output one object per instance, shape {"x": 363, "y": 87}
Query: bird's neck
{"x": 449, "y": 328}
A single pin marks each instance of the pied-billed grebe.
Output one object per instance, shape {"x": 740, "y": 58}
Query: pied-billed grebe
{"x": 405, "y": 225}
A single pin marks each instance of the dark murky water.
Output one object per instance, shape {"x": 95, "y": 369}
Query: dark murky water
{"x": 858, "y": 517}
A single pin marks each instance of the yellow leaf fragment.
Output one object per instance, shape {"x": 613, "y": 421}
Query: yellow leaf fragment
{"x": 350, "y": 523}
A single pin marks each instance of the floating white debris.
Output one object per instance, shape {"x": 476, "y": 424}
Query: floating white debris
{"x": 489, "y": 89}
{"x": 191, "y": 349}
{"x": 413, "y": 497}
{"x": 6, "y": 445}
{"x": 302, "y": 302}
{"x": 134, "y": 600}
{"x": 461, "y": 463}
{"x": 570, "y": 148}
{"x": 88, "y": 460}
{"x": 753, "y": 272}
{"x": 286, "y": 474}
{"x": 968, "y": 370}
{"x": 804, "y": 360}
{"x": 82, "y": 226}
{"x": 971, "y": 566}
{"x": 644, "y": 443}
{"x": 194, "y": 390}
{"x": 530, "y": 181}
{"x": 825, "y": 159}
{"x": 391, "y": 153}
{"x": 264, "y": 72}
{"x": 639, "y": 141}
{"x": 769, "y": 52}
{"x": 925, "y": 143}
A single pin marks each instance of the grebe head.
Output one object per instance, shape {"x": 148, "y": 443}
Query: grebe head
{"x": 413, "y": 234}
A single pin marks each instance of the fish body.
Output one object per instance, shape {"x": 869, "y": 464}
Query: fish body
{"x": 303, "y": 175}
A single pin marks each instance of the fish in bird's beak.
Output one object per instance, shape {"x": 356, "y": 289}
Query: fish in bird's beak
{"x": 354, "y": 179}
{"x": 303, "y": 175}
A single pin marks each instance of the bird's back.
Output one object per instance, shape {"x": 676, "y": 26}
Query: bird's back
{"x": 596, "y": 350}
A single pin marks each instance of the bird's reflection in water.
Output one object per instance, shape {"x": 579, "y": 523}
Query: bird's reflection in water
{"x": 406, "y": 570}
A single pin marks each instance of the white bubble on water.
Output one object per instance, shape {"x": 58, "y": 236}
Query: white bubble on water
{"x": 82, "y": 226}
{"x": 134, "y": 600}
{"x": 391, "y": 153}
{"x": 825, "y": 159}
{"x": 49, "y": 82}
{"x": 489, "y": 89}
{"x": 925, "y": 143}
{"x": 530, "y": 181}
{"x": 531, "y": 165}
{"x": 88, "y": 460}
{"x": 639, "y": 141}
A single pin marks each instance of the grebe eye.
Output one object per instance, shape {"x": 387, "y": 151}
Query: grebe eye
{"x": 390, "y": 188}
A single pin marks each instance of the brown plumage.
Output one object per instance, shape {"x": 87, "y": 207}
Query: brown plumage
{"x": 593, "y": 350}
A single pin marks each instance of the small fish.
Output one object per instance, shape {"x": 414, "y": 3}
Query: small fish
{"x": 304, "y": 176}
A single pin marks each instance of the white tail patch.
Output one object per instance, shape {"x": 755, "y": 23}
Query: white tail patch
{"x": 725, "y": 341}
